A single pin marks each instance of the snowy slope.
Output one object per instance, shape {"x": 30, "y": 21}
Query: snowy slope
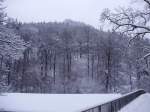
{"x": 22, "y": 102}
{"x": 140, "y": 104}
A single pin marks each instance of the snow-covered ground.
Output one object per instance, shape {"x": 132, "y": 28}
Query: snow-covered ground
{"x": 21, "y": 102}
{"x": 140, "y": 104}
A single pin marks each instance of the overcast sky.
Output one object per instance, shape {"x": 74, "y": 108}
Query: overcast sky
{"x": 87, "y": 11}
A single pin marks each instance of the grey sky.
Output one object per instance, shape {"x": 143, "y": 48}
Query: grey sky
{"x": 87, "y": 11}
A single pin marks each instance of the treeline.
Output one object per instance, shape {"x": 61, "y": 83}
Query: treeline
{"x": 71, "y": 57}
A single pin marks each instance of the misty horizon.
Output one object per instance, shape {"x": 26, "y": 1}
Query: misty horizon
{"x": 87, "y": 12}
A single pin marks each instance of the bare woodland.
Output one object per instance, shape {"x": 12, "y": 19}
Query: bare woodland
{"x": 72, "y": 57}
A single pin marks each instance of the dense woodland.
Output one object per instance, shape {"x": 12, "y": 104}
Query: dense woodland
{"x": 70, "y": 57}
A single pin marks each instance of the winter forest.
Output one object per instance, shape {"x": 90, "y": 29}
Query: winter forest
{"x": 74, "y": 57}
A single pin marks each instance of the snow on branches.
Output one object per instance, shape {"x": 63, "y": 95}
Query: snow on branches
{"x": 11, "y": 44}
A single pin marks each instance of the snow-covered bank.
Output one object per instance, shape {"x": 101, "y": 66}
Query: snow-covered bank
{"x": 21, "y": 102}
{"x": 140, "y": 104}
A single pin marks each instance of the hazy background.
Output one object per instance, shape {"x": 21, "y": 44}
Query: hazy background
{"x": 87, "y": 11}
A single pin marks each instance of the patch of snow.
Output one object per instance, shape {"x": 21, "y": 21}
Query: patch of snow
{"x": 140, "y": 104}
{"x": 22, "y": 102}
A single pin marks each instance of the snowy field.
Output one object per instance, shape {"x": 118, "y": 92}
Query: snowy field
{"x": 21, "y": 102}
{"x": 140, "y": 104}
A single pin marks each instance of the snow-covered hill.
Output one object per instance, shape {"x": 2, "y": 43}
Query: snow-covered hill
{"x": 141, "y": 104}
{"x": 21, "y": 102}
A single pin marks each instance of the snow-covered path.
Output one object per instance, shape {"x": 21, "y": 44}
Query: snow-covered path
{"x": 140, "y": 104}
{"x": 20, "y": 102}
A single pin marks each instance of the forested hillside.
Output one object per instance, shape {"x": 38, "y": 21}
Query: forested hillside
{"x": 72, "y": 57}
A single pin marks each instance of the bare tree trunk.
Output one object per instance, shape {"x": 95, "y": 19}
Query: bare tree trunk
{"x": 88, "y": 64}
{"x": 98, "y": 66}
{"x": 1, "y": 64}
{"x": 41, "y": 70}
{"x": 92, "y": 67}
{"x": 9, "y": 73}
{"x": 138, "y": 80}
{"x": 80, "y": 49}
{"x": 108, "y": 74}
{"x": 131, "y": 85}
{"x": 46, "y": 63}
{"x": 54, "y": 67}
{"x": 50, "y": 60}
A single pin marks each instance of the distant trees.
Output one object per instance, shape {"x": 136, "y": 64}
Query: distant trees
{"x": 73, "y": 58}
{"x": 111, "y": 58}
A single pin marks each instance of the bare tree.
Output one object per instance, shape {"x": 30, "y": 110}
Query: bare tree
{"x": 132, "y": 22}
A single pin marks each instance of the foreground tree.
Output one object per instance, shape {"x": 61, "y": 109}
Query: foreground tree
{"x": 11, "y": 47}
{"x": 130, "y": 21}
{"x": 133, "y": 23}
